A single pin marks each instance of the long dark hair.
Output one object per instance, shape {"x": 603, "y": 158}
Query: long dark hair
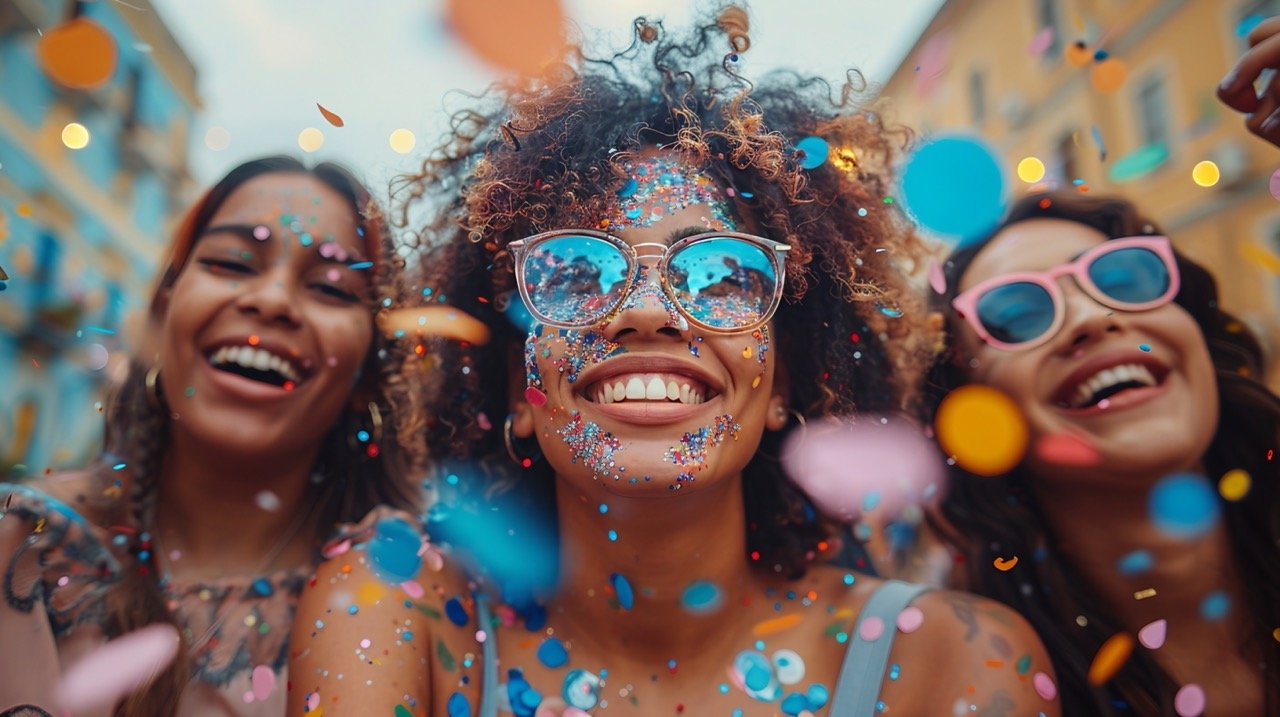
{"x": 530, "y": 157}
{"x": 354, "y": 479}
{"x": 1000, "y": 516}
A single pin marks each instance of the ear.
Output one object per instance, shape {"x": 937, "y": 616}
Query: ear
{"x": 776, "y": 418}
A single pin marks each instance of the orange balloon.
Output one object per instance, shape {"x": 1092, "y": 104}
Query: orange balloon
{"x": 1078, "y": 54}
{"x": 1109, "y": 75}
{"x": 519, "y": 36}
{"x": 78, "y": 54}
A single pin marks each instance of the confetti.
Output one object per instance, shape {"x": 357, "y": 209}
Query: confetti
{"x": 1135, "y": 563}
{"x": 1110, "y": 658}
{"x": 1274, "y": 184}
{"x": 1044, "y": 686}
{"x": 1041, "y": 43}
{"x": 622, "y": 588}
{"x": 1183, "y": 506}
{"x": 78, "y": 54}
{"x": 1097, "y": 140}
{"x": 814, "y": 151}
{"x": 264, "y": 682}
{"x": 1005, "y": 565}
{"x": 518, "y": 37}
{"x": 1234, "y": 485}
{"x": 777, "y": 624}
{"x": 1215, "y": 606}
{"x": 788, "y": 666}
{"x": 1205, "y": 174}
{"x": 1152, "y": 634}
{"x": 1261, "y": 257}
{"x": 1067, "y": 449}
{"x": 442, "y": 321}
{"x": 329, "y": 116}
{"x": 1189, "y": 701}
{"x": 910, "y": 620}
{"x": 937, "y": 280}
{"x": 1144, "y": 594}
{"x": 954, "y": 187}
{"x": 1109, "y": 75}
{"x": 871, "y": 629}
{"x": 982, "y": 429}
{"x": 117, "y": 668}
{"x": 1031, "y": 170}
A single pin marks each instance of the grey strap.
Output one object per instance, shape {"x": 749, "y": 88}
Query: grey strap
{"x": 865, "y": 663}
{"x": 489, "y": 689}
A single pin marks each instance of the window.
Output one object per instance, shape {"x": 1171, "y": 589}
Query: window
{"x": 1153, "y": 112}
{"x": 977, "y": 97}
{"x": 1047, "y": 16}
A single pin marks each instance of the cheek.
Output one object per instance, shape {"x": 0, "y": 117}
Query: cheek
{"x": 550, "y": 352}
{"x": 345, "y": 340}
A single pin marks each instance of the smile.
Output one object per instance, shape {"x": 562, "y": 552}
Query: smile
{"x": 632, "y": 387}
{"x": 649, "y": 389}
{"x": 258, "y": 363}
{"x": 1095, "y": 384}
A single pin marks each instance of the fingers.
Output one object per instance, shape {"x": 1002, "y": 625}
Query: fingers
{"x": 1236, "y": 89}
{"x": 1265, "y": 29}
{"x": 1265, "y": 121}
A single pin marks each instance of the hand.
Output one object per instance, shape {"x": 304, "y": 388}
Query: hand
{"x": 1237, "y": 90}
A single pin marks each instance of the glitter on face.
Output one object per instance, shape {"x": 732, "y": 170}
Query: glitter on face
{"x": 584, "y": 349}
{"x": 691, "y": 454}
{"x": 592, "y": 445}
{"x": 662, "y": 185}
{"x": 647, "y": 289}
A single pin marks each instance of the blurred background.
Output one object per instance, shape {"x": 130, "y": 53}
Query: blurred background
{"x": 115, "y": 113}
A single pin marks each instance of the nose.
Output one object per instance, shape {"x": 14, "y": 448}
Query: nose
{"x": 1086, "y": 320}
{"x": 647, "y": 312}
{"x": 271, "y": 297}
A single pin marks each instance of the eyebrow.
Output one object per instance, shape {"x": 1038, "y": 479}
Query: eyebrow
{"x": 684, "y": 232}
{"x": 355, "y": 260}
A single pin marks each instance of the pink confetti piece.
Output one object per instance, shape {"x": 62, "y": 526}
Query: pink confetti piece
{"x": 937, "y": 280}
{"x": 871, "y": 629}
{"x": 117, "y": 668}
{"x": 413, "y": 589}
{"x": 1044, "y": 686}
{"x": 335, "y": 549}
{"x": 263, "y": 681}
{"x": 313, "y": 700}
{"x": 1190, "y": 701}
{"x": 910, "y": 620}
{"x": 1153, "y": 633}
{"x": 1041, "y": 43}
{"x": 1067, "y": 450}
{"x": 535, "y": 396}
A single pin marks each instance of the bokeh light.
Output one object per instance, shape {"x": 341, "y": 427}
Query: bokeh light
{"x": 1234, "y": 484}
{"x": 1031, "y": 170}
{"x": 519, "y": 36}
{"x": 1109, "y": 75}
{"x": 982, "y": 429}
{"x": 75, "y": 136}
{"x": 1205, "y": 173}
{"x": 402, "y": 141}
{"x": 1183, "y": 506}
{"x": 217, "y": 138}
{"x": 310, "y": 139}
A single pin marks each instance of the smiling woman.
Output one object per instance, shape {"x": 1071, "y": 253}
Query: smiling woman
{"x": 670, "y": 282}
{"x": 249, "y": 426}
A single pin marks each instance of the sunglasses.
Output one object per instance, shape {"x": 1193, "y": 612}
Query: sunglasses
{"x": 722, "y": 282}
{"x": 1023, "y": 310}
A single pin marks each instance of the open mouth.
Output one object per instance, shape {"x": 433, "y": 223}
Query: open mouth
{"x": 1105, "y": 384}
{"x": 257, "y": 364}
{"x": 649, "y": 388}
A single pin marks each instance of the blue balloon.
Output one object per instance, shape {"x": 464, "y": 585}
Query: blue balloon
{"x": 954, "y": 187}
{"x": 1183, "y": 506}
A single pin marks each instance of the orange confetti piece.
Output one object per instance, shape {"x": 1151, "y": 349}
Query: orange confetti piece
{"x": 330, "y": 117}
{"x": 1261, "y": 257}
{"x": 777, "y": 624}
{"x": 441, "y": 321}
{"x": 1005, "y": 565}
{"x": 370, "y": 593}
{"x": 79, "y": 54}
{"x": 995, "y": 664}
{"x": 1110, "y": 658}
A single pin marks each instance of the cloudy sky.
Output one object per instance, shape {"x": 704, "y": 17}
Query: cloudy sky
{"x": 388, "y": 64}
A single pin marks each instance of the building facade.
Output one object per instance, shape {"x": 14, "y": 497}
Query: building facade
{"x": 81, "y": 230}
{"x": 1003, "y": 69}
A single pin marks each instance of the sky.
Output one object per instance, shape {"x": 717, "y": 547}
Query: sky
{"x": 381, "y": 65}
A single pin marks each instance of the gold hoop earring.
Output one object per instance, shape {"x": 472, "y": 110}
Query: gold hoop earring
{"x": 799, "y": 418}
{"x": 375, "y": 422}
{"x": 152, "y": 383}
{"x": 509, "y": 440}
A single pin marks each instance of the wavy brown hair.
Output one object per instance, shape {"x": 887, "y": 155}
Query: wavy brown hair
{"x": 994, "y": 517}
{"x": 538, "y": 155}
{"x": 351, "y": 481}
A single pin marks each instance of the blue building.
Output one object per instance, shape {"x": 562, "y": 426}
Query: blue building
{"x": 81, "y": 231}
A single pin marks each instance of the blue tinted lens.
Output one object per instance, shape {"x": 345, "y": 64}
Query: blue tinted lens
{"x": 574, "y": 279}
{"x": 723, "y": 282}
{"x": 1016, "y": 313}
{"x": 1130, "y": 276}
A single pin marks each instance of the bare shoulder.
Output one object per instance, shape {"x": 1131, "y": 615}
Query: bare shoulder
{"x": 978, "y": 656}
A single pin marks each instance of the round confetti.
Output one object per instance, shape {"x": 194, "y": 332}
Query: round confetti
{"x": 264, "y": 682}
{"x": 1078, "y": 54}
{"x": 79, "y": 54}
{"x": 1044, "y": 686}
{"x": 310, "y": 139}
{"x": 551, "y": 653}
{"x": 1135, "y": 563}
{"x": 788, "y": 666}
{"x": 1152, "y": 634}
{"x": 581, "y": 689}
{"x": 815, "y": 151}
{"x": 75, "y": 136}
{"x": 393, "y": 552}
{"x": 1031, "y": 170}
{"x": 1066, "y": 449}
{"x": 1109, "y": 75}
{"x": 910, "y": 620}
{"x": 1215, "y": 607}
{"x": 982, "y": 429}
{"x": 701, "y": 597}
{"x": 954, "y": 187}
{"x": 1189, "y": 701}
{"x": 456, "y": 613}
{"x": 117, "y": 668}
{"x": 520, "y": 37}
{"x": 267, "y": 501}
{"x": 1110, "y": 658}
{"x": 1041, "y": 43}
{"x": 871, "y": 629}
{"x": 217, "y": 138}
{"x": 1274, "y": 184}
{"x": 622, "y": 587}
{"x": 1183, "y": 506}
{"x": 1234, "y": 485}
{"x": 1205, "y": 173}
{"x": 402, "y": 141}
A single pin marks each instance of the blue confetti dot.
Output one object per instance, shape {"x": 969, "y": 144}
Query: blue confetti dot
{"x": 393, "y": 553}
{"x": 455, "y": 612}
{"x": 862, "y": 212}
{"x": 353, "y": 610}
{"x": 1248, "y": 25}
{"x": 815, "y": 151}
{"x": 1144, "y": 347}
{"x": 613, "y": 536}
{"x": 459, "y": 706}
{"x": 724, "y": 689}
{"x": 1135, "y": 563}
{"x": 849, "y": 579}
{"x": 757, "y": 678}
{"x": 701, "y": 597}
{"x": 794, "y": 704}
{"x": 621, "y": 586}
{"x": 629, "y": 188}
{"x": 870, "y": 502}
{"x": 954, "y": 187}
{"x": 408, "y": 636}
{"x": 363, "y": 436}
{"x": 1215, "y": 606}
{"x": 1183, "y": 506}
{"x": 817, "y": 696}
{"x": 552, "y": 654}
{"x": 604, "y": 508}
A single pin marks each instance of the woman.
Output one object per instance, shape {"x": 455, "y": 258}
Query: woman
{"x": 1139, "y": 396}
{"x": 259, "y": 422}
{"x": 639, "y": 452}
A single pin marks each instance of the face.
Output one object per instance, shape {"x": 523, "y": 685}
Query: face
{"x": 266, "y": 327}
{"x": 645, "y": 403}
{"x": 1136, "y": 385}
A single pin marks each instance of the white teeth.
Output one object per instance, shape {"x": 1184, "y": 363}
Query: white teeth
{"x": 635, "y": 388}
{"x": 619, "y": 391}
{"x": 656, "y": 390}
{"x": 261, "y": 360}
{"x": 684, "y": 393}
{"x": 255, "y": 358}
{"x": 673, "y": 391}
{"x": 1110, "y": 377}
{"x": 645, "y": 387}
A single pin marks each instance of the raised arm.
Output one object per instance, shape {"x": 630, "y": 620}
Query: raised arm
{"x": 1237, "y": 88}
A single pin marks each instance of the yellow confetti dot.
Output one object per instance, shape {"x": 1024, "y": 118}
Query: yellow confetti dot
{"x": 370, "y": 593}
{"x": 75, "y": 136}
{"x": 982, "y": 429}
{"x": 1234, "y": 484}
{"x": 747, "y": 353}
{"x": 755, "y": 382}
{"x": 1110, "y": 658}
{"x": 402, "y": 141}
{"x": 23, "y": 210}
{"x": 310, "y": 139}
{"x": 1276, "y": 634}
{"x": 1205, "y": 173}
{"x": 1031, "y": 170}
{"x": 1261, "y": 257}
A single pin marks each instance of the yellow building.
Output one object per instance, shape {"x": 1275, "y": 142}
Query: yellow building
{"x": 1010, "y": 71}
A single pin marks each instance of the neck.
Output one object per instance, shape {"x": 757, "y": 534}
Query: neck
{"x": 226, "y": 512}
{"x": 663, "y": 546}
{"x": 1111, "y": 542}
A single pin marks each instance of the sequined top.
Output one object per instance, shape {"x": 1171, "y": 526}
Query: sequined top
{"x": 67, "y": 566}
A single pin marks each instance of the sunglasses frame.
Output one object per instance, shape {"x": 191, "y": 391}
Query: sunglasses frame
{"x": 521, "y": 249}
{"x": 966, "y": 303}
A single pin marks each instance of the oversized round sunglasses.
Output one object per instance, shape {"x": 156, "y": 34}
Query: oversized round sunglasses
{"x": 1023, "y": 310}
{"x": 722, "y": 282}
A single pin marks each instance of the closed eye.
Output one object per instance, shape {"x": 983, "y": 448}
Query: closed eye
{"x": 224, "y": 266}
{"x": 336, "y": 292}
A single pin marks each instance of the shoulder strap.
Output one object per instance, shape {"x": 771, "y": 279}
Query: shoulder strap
{"x": 865, "y": 663}
{"x": 488, "y": 690}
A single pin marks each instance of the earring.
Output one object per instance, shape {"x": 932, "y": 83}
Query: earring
{"x": 509, "y": 439}
{"x": 375, "y": 422}
{"x": 152, "y": 383}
